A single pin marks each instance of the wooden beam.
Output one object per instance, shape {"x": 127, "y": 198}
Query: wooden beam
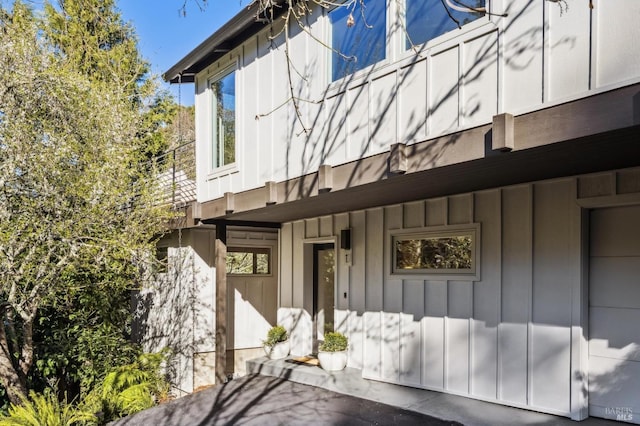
{"x": 325, "y": 178}
{"x": 271, "y": 188}
{"x": 221, "y": 302}
{"x": 398, "y": 162}
{"x": 502, "y": 138}
{"x": 229, "y": 202}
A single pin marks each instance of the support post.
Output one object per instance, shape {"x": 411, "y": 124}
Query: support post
{"x": 221, "y": 302}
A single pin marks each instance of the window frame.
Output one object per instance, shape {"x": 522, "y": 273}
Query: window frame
{"x": 212, "y": 145}
{"x": 434, "y": 232}
{"x": 388, "y": 17}
{"x": 441, "y": 38}
{"x": 255, "y": 250}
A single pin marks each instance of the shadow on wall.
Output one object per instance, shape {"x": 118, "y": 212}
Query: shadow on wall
{"x": 176, "y": 312}
{"x": 325, "y": 132}
{"x": 613, "y": 388}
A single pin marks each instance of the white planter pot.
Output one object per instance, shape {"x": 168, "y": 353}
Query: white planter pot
{"x": 278, "y": 351}
{"x": 333, "y": 361}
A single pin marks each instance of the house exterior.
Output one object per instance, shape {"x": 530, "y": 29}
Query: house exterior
{"x": 463, "y": 203}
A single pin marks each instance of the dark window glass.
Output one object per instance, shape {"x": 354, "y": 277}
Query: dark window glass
{"x": 450, "y": 253}
{"x": 427, "y": 19}
{"x": 248, "y": 261}
{"x": 224, "y": 121}
{"x": 359, "y": 33}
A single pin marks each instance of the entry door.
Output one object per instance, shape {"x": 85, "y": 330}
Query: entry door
{"x": 323, "y": 290}
{"x": 614, "y": 314}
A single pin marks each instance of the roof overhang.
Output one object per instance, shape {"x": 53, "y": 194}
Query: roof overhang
{"x": 609, "y": 151}
{"x": 230, "y": 35}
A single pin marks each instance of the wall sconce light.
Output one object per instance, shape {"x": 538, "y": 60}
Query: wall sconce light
{"x": 345, "y": 239}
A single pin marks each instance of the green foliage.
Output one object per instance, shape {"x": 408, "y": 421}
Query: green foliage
{"x": 45, "y": 410}
{"x": 334, "y": 342}
{"x": 276, "y": 334}
{"x": 450, "y": 252}
{"x": 96, "y": 42}
{"x": 129, "y": 389}
{"x": 78, "y": 210}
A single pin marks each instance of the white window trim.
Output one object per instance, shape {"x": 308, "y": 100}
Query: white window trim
{"x": 442, "y": 38}
{"x": 368, "y": 70}
{"x": 435, "y": 232}
{"x": 213, "y": 172}
{"x": 397, "y": 56}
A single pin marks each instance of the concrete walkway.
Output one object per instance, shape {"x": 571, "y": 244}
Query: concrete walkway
{"x": 454, "y": 408}
{"x": 263, "y": 400}
{"x": 283, "y": 393}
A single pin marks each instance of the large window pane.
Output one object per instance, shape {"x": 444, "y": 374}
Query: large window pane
{"x": 427, "y": 19}
{"x": 437, "y": 252}
{"x": 224, "y": 121}
{"x": 434, "y": 253}
{"x": 358, "y": 32}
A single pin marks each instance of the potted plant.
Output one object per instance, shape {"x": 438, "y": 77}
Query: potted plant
{"x": 332, "y": 352}
{"x": 276, "y": 346}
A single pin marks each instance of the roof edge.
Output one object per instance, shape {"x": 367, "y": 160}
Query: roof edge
{"x": 242, "y": 21}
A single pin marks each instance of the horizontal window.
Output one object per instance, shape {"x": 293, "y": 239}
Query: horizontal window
{"x": 248, "y": 261}
{"x": 438, "y": 252}
{"x": 427, "y": 19}
{"x": 358, "y": 36}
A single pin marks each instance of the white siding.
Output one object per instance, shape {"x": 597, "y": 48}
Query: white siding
{"x": 614, "y": 313}
{"x": 535, "y": 56}
{"x": 177, "y": 311}
{"x": 506, "y": 337}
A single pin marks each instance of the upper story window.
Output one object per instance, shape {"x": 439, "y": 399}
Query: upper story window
{"x": 427, "y": 19}
{"x": 358, "y": 33}
{"x": 223, "y": 120}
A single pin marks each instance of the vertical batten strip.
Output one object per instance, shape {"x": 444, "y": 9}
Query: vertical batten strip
{"x": 545, "y": 53}
{"x": 445, "y": 347}
{"x": 578, "y": 402}
{"x": 472, "y": 332}
{"x": 530, "y": 295}
{"x": 499, "y": 295}
{"x": 461, "y": 71}
{"x": 593, "y": 51}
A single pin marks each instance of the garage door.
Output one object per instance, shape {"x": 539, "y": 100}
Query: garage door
{"x": 614, "y": 314}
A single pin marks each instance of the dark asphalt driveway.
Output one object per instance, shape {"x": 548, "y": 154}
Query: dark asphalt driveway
{"x": 261, "y": 400}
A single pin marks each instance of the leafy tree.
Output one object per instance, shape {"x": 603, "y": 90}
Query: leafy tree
{"x": 94, "y": 40}
{"x": 76, "y": 200}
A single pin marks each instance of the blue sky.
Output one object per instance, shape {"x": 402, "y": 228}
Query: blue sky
{"x": 166, "y": 36}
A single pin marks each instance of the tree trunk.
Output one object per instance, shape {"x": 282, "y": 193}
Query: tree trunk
{"x": 14, "y": 382}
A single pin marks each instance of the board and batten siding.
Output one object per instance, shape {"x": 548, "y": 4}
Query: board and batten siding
{"x": 506, "y": 337}
{"x": 535, "y": 57}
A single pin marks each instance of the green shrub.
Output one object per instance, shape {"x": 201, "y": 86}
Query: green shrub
{"x": 46, "y": 410}
{"x": 276, "y": 334}
{"x": 129, "y": 389}
{"x": 334, "y": 342}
